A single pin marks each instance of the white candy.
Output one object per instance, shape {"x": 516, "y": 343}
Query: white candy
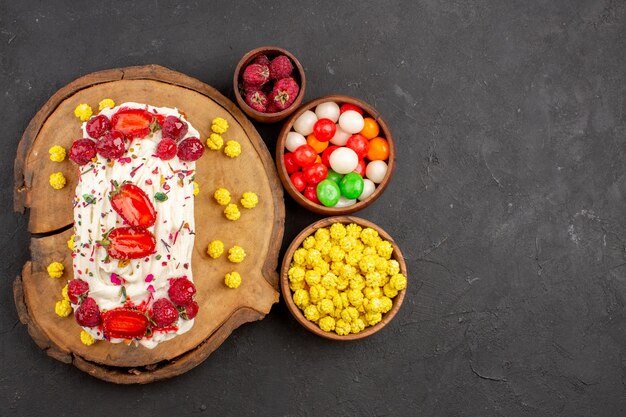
{"x": 375, "y": 171}
{"x": 304, "y": 124}
{"x": 328, "y": 110}
{"x": 294, "y": 141}
{"x": 351, "y": 121}
{"x": 341, "y": 137}
{"x": 368, "y": 189}
{"x": 343, "y": 160}
{"x": 344, "y": 202}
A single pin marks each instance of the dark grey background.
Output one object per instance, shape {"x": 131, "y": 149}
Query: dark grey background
{"x": 508, "y": 200}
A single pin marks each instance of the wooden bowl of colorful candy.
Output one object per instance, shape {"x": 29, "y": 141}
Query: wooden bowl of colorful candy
{"x": 343, "y": 278}
{"x": 335, "y": 155}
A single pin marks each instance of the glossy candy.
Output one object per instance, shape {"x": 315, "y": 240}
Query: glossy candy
{"x": 341, "y": 137}
{"x": 304, "y": 124}
{"x": 358, "y": 144}
{"x": 298, "y": 181}
{"x": 360, "y": 168}
{"x": 310, "y": 192}
{"x": 351, "y": 185}
{"x": 290, "y": 163}
{"x": 370, "y": 128}
{"x": 345, "y": 202}
{"x": 326, "y": 155}
{"x": 315, "y": 173}
{"x": 368, "y": 189}
{"x": 334, "y": 176}
{"x": 376, "y": 171}
{"x": 328, "y": 193}
{"x": 324, "y": 130}
{"x": 379, "y": 150}
{"x": 329, "y": 110}
{"x": 294, "y": 141}
{"x": 305, "y": 155}
{"x": 348, "y": 106}
{"x": 343, "y": 160}
{"x": 351, "y": 121}
{"x": 319, "y": 146}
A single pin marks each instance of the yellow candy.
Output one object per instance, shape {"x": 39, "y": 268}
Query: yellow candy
{"x": 232, "y": 212}
{"x": 393, "y": 267}
{"x": 337, "y": 302}
{"x": 57, "y": 153}
{"x": 215, "y": 249}
{"x": 329, "y": 280}
{"x": 232, "y": 280}
{"x": 349, "y": 314}
{"x": 342, "y": 283}
{"x": 215, "y": 142}
{"x": 322, "y": 235}
{"x": 390, "y": 291}
{"x": 63, "y": 308}
{"x": 342, "y": 328}
{"x": 372, "y": 292}
{"x": 398, "y": 282}
{"x": 381, "y": 265}
{"x": 196, "y": 189}
{"x": 70, "y": 243}
{"x": 236, "y": 254}
{"x": 312, "y": 277}
{"x": 324, "y": 247}
{"x": 317, "y": 293}
{"x": 86, "y": 338}
{"x": 336, "y": 254}
{"x": 387, "y": 304}
{"x": 373, "y": 318}
{"x": 301, "y": 298}
{"x": 367, "y": 264}
{"x": 355, "y": 297}
{"x": 294, "y": 286}
{"x": 337, "y": 231}
{"x": 357, "y": 282}
{"x": 325, "y": 306}
{"x": 327, "y": 324}
{"x": 222, "y": 196}
{"x": 83, "y": 112}
{"x": 353, "y": 257}
{"x": 296, "y": 273}
{"x": 347, "y": 243}
{"x": 55, "y": 270}
{"x": 309, "y": 243}
{"x": 373, "y": 279}
{"x": 64, "y": 293}
{"x": 311, "y": 313}
{"x": 232, "y": 149}
{"x": 375, "y": 305}
{"x": 219, "y": 125}
{"x": 321, "y": 266}
{"x": 368, "y": 236}
{"x": 106, "y": 103}
{"x": 357, "y": 325}
{"x": 369, "y": 251}
{"x": 384, "y": 249}
{"x": 249, "y": 200}
{"x": 57, "y": 180}
{"x": 300, "y": 256}
{"x": 313, "y": 256}
{"x": 353, "y": 230}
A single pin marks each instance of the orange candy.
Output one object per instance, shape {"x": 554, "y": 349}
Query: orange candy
{"x": 318, "y": 160}
{"x": 316, "y": 144}
{"x": 370, "y": 129}
{"x": 379, "y": 150}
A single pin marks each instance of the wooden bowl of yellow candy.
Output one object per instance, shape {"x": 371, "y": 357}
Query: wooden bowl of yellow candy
{"x": 343, "y": 278}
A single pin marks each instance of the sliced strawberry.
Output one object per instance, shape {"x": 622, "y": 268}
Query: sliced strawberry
{"x": 128, "y": 243}
{"x": 133, "y": 205}
{"x": 122, "y": 323}
{"x": 133, "y": 123}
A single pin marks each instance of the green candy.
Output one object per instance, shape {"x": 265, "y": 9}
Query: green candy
{"x": 334, "y": 176}
{"x": 351, "y": 185}
{"x": 328, "y": 192}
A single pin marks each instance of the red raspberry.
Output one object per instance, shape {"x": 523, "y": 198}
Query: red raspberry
{"x": 112, "y": 145}
{"x": 166, "y": 149}
{"x": 271, "y": 108}
{"x": 98, "y": 126}
{"x": 82, "y": 151}
{"x": 257, "y": 100}
{"x": 256, "y": 75}
{"x": 77, "y": 289}
{"x": 284, "y": 93}
{"x": 190, "y": 149}
{"x": 190, "y": 311}
{"x": 163, "y": 313}
{"x": 181, "y": 291}
{"x": 88, "y": 314}
{"x": 280, "y": 67}
{"x": 262, "y": 60}
{"x": 174, "y": 128}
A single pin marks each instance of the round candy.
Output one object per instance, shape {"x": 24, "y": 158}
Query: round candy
{"x": 345, "y": 107}
{"x": 370, "y": 128}
{"x": 290, "y": 163}
{"x": 368, "y": 189}
{"x": 316, "y": 144}
{"x": 351, "y": 121}
{"x": 310, "y": 192}
{"x": 315, "y": 173}
{"x": 345, "y": 202}
{"x": 376, "y": 171}
{"x": 297, "y": 179}
{"x": 294, "y": 141}
{"x": 304, "y": 124}
{"x": 341, "y": 137}
{"x": 326, "y": 155}
{"x": 305, "y": 155}
{"x": 360, "y": 168}
{"x": 328, "y": 110}
{"x": 324, "y": 129}
{"x": 343, "y": 160}
{"x": 328, "y": 193}
{"x": 334, "y": 176}
{"x": 351, "y": 185}
{"x": 358, "y": 144}
{"x": 379, "y": 150}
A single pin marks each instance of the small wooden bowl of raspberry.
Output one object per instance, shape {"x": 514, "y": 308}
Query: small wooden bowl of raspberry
{"x": 269, "y": 84}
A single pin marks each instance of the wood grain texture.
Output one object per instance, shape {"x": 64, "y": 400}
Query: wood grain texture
{"x": 259, "y": 231}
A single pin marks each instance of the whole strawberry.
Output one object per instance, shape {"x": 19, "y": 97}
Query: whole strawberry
{"x": 76, "y": 290}
{"x": 257, "y": 100}
{"x": 190, "y": 311}
{"x": 255, "y": 75}
{"x": 280, "y": 67}
{"x": 181, "y": 291}
{"x": 163, "y": 313}
{"x": 284, "y": 93}
{"x": 88, "y": 314}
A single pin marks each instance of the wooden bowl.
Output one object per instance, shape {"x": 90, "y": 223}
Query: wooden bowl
{"x": 288, "y": 296}
{"x": 298, "y": 196}
{"x": 298, "y": 75}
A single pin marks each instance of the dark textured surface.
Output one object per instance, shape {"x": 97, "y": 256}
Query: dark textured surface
{"x": 508, "y": 201}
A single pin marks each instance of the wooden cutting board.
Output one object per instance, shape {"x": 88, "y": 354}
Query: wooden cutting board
{"x": 259, "y": 231}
